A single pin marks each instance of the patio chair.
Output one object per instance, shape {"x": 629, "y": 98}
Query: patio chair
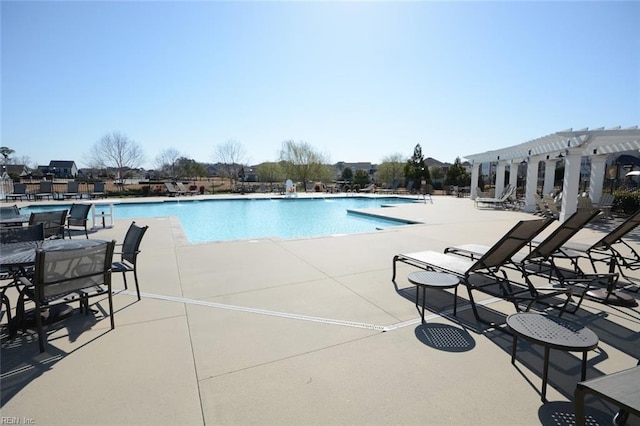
{"x": 98, "y": 190}
{"x": 53, "y": 221}
{"x": 78, "y": 218}
{"x": 10, "y": 235}
{"x": 19, "y": 192}
{"x": 129, "y": 254}
{"x": 72, "y": 190}
{"x": 64, "y": 275}
{"x": 485, "y": 274}
{"x": 45, "y": 191}
{"x": 172, "y": 191}
{"x": 185, "y": 190}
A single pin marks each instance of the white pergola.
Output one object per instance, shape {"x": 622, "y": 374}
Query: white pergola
{"x": 571, "y": 145}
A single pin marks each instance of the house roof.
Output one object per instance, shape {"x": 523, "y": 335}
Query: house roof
{"x": 62, "y": 163}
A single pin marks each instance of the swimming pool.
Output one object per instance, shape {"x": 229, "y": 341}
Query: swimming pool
{"x": 225, "y": 220}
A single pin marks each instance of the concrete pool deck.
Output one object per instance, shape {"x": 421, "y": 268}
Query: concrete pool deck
{"x": 304, "y": 331}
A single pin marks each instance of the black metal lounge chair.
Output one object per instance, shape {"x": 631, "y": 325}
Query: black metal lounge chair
{"x": 78, "y": 217}
{"x": 541, "y": 259}
{"x": 72, "y": 190}
{"x": 620, "y": 388}
{"x": 98, "y": 190}
{"x": 485, "y": 274}
{"x": 129, "y": 254}
{"x": 19, "y": 192}
{"x": 81, "y": 273}
{"x": 616, "y": 254}
{"x": 45, "y": 191}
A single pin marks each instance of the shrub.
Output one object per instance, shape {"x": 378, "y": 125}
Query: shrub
{"x": 626, "y": 201}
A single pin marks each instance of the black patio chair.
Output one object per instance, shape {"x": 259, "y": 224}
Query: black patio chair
{"x": 63, "y": 275}
{"x": 78, "y": 217}
{"x": 17, "y": 234}
{"x": 129, "y": 254}
{"x": 53, "y": 221}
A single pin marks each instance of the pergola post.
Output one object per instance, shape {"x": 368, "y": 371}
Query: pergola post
{"x": 513, "y": 174}
{"x": 500, "y": 177}
{"x": 531, "y": 185}
{"x": 571, "y": 185}
{"x": 596, "y": 179}
{"x": 549, "y": 175}
{"x": 475, "y": 174}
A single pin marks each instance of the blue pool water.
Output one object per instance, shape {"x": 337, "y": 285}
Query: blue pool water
{"x": 224, "y": 220}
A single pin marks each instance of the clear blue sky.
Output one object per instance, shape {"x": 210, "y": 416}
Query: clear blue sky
{"x": 356, "y": 80}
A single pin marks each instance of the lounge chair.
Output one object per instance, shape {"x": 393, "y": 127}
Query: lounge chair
{"x": 185, "y": 190}
{"x": 605, "y": 205}
{"x": 45, "y": 191}
{"x": 72, "y": 190}
{"x": 78, "y": 217}
{"x": 54, "y": 222}
{"x": 98, "y": 190}
{"x": 172, "y": 191}
{"x": 371, "y": 188}
{"x": 501, "y": 201}
{"x": 486, "y": 273}
{"x": 19, "y": 192}
{"x": 620, "y": 388}
{"x": 616, "y": 254}
{"x": 541, "y": 207}
{"x": 550, "y": 202}
{"x": 541, "y": 259}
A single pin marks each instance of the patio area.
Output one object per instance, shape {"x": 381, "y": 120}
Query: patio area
{"x": 305, "y": 331}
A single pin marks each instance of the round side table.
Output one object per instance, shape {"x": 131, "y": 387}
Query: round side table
{"x": 431, "y": 279}
{"x": 551, "y": 332}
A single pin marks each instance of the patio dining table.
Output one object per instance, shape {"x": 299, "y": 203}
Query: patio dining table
{"x": 8, "y": 220}
{"x": 23, "y": 254}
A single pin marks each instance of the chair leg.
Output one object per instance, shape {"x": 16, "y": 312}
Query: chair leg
{"x": 40, "y": 327}
{"x": 124, "y": 278}
{"x": 110, "y": 296}
{"x": 135, "y": 276}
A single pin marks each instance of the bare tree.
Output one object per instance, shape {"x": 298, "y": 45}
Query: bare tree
{"x": 231, "y": 155}
{"x": 115, "y": 150}
{"x": 166, "y": 161}
{"x": 302, "y": 162}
